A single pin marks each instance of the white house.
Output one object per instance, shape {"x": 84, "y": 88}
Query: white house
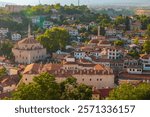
{"x": 110, "y": 32}
{"x": 4, "y": 31}
{"x": 114, "y": 53}
{"x": 47, "y": 24}
{"x": 79, "y": 54}
{"x": 15, "y": 37}
{"x": 141, "y": 40}
{"x": 73, "y": 32}
{"x": 134, "y": 69}
{"x": 146, "y": 62}
{"x": 36, "y": 20}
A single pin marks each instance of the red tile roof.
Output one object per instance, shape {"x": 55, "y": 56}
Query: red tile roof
{"x": 125, "y": 75}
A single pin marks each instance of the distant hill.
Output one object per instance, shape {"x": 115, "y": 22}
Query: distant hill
{"x": 119, "y": 2}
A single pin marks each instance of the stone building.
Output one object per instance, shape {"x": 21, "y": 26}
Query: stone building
{"x": 91, "y": 74}
{"x": 28, "y": 50}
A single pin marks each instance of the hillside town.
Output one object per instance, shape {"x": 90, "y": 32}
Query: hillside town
{"x": 100, "y": 51}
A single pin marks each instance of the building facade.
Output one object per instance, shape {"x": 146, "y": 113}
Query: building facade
{"x": 28, "y": 51}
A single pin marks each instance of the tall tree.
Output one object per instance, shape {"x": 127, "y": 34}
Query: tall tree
{"x": 54, "y": 38}
{"x": 146, "y": 46}
{"x": 148, "y": 31}
{"x": 127, "y": 23}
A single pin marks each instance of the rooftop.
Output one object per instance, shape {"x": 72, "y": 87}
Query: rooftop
{"x": 125, "y": 75}
{"x": 29, "y": 40}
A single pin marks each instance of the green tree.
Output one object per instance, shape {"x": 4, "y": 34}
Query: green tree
{"x": 145, "y": 20}
{"x": 45, "y": 87}
{"x": 3, "y": 72}
{"x": 146, "y": 46}
{"x": 131, "y": 92}
{"x": 72, "y": 90}
{"x": 118, "y": 42}
{"x": 148, "y": 31}
{"x": 136, "y": 41}
{"x": 55, "y": 38}
{"x": 6, "y": 49}
{"x": 119, "y": 20}
{"x": 127, "y": 23}
{"x": 134, "y": 54}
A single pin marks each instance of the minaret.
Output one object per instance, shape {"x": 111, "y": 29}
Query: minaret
{"x": 98, "y": 31}
{"x": 29, "y": 58}
{"x": 29, "y": 31}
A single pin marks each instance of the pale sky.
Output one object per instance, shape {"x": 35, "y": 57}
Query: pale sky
{"x": 35, "y": 2}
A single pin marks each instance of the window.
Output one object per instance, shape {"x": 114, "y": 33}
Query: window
{"x": 148, "y": 65}
{"x": 130, "y": 69}
{"x": 138, "y": 69}
{"x": 97, "y": 79}
{"x": 82, "y": 79}
{"x": 100, "y": 79}
{"x": 90, "y": 79}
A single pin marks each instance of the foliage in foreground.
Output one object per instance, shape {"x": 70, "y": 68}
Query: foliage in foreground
{"x": 45, "y": 87}
{"x": 131, "y": 92}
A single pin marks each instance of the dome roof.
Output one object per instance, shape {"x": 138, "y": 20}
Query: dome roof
{"x": 29, "y": 40}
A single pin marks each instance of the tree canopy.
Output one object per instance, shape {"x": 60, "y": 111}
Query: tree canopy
{"x": 131, "y": 92}
{"x": 54, "y": 38}
{"x": 146, "y": 46}
{"x": 6, "y": 49}
{"x": 118, "y": 42}
{"x": 136, "y": 41}
{"x": 45, "y": 87}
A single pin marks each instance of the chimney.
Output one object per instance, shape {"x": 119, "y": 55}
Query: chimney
{"x": 98, "y": 30}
